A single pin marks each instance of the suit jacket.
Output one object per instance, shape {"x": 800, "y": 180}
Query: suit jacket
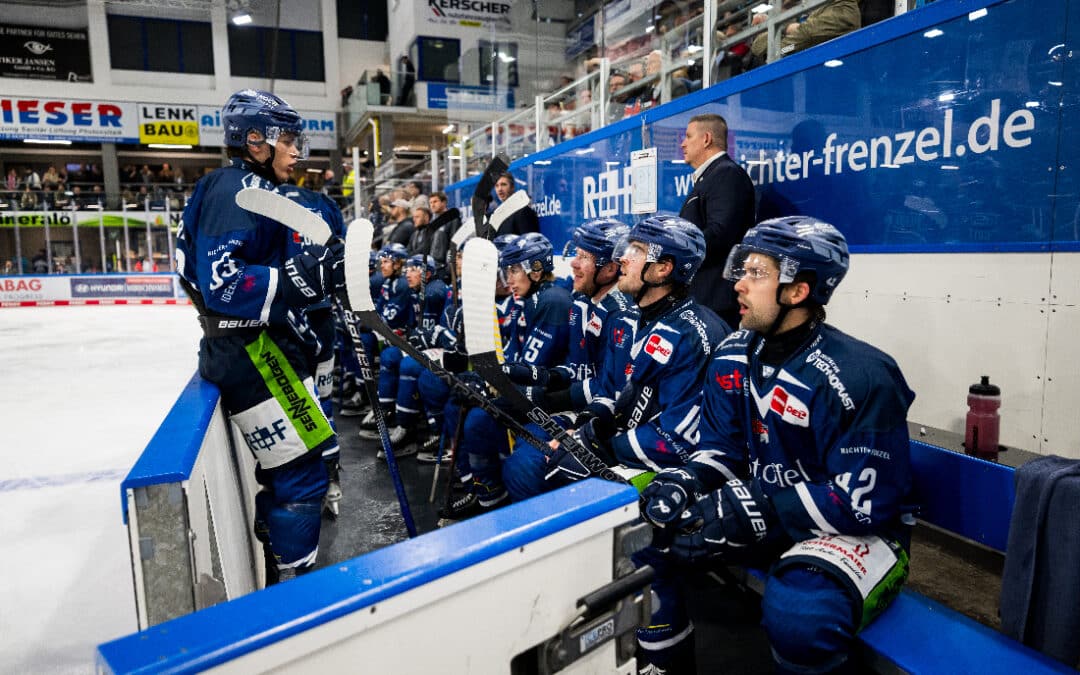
{"x": 721, "y": 203}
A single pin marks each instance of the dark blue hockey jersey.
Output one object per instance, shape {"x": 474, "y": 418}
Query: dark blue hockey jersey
{"x": 587, "y": 341}
{"x": 430, "y": 308}
{"x": 394, "y": 303}
{"x": 232, "y": 256}
{"x": 657, "y": 404}
{"x": 539, "y": 336}
{"x": 825, "y": 434}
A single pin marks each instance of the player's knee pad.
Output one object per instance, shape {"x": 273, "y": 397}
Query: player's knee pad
{"x": 410, "y": 368}
{"x": 809, "y": 619}
{"x": 294, "y": 533}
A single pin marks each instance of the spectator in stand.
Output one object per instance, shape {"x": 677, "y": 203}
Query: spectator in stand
{"x": 420, "y": 240}
{"x": 11, "y": 183}
{"x": 400, "y": 229}
{"x": 48, "y": 198}
{"x": 833, "y": 19}
{"x": 9, "y": 267}
{"x": 653, "y": 65}
{"x": 31, "y": 179}
{"x": 521, "y": 221}
{"x": 96, "y": 198}
{"x": 616, "y": 81}
{"x": 40, "y": 262}
{"x": 142, "y": 197}
{"x": 146, "y": 175}
{"x": 28, "y": 199}
{"x": 50, "y": 179}
{"x": 166, "y": 174}
{"x": 407, "y": 73}
{"x": 129, "y": 175}
{"x": 349, "y": 181}
{"x": 446, "y": 222}
{"x": 330, "y": 186}
{"x": 77, "y": 198}
{"x": 94, "y": 174}
{"x": 384, "y": 87}
{"x": 416, "y": 195}
{"x": 733, "y": 59}
{"x": 63, "y": 198}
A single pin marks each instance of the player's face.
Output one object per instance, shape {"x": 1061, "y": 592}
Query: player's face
{"x": 414, "y": 276}
{"x": 517, "y": 280}
{"x": 632, "y": 262}
{"x": 583, "y": 266}
{"x": 504, "y": 187}
{"x": 757, "y": 292}
{"x": 286, "y": 156}
{"x": 386, "y": 266}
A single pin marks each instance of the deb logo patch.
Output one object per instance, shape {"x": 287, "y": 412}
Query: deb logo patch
{"x": 594, "y": 325}
{"x": 658, "y": 348}
{"x": 789, "y": 407}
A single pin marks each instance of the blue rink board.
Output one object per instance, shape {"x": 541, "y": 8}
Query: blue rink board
{"x": 227, "y": 631}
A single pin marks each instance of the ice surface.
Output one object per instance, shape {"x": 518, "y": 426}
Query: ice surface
{"x": 85, "y": 389}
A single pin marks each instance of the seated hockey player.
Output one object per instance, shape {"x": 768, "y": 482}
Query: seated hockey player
{"x": 645, "y": 402}
{"x": 802, "y": 464}
{"x": 538, "y": 338}
{"x": 429, "y": 298}
{"x": 394, "y": 305}
{"x": 249, "y": 289}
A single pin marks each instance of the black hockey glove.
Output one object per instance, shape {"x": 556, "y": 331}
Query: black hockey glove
{"x": 522, "y": 373}
{"x": 732, "y": 518}
{"x": 473, "y": 381}
{"x": 314, "y": 274}
{"x": 665, "y": 500}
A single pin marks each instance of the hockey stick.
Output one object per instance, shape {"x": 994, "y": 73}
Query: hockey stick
{"x": 356, "y": 283}
{"x": 364, "y": 310}
{"x": 285, "y": 211}
{"x": 481, "y": 198}
{"x": 482, "y": 343}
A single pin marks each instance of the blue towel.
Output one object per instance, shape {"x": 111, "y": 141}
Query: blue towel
{"x": 1040, "y": 585}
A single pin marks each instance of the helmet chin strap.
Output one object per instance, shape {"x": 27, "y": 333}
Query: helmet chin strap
{"x": 646, "y": 285}
{"x": 263, "y": 169}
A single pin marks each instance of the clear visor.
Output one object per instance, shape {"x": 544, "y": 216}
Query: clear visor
{"x": 635, "y": 250}
{"x": 416, "y": 268}
{"x": 570, "y": 250}
{"x": 295, "y": 142}
{"x": 758, "y": 266}
{"x": 506, "y": 272}
{"x": 386, "y": 257}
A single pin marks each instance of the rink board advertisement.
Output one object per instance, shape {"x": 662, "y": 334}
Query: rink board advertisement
{"x": 942, "y": 140}
{"x": 79, "y": 120}
{"x": 87, "y": 288}
{"x": 320, "y": 127}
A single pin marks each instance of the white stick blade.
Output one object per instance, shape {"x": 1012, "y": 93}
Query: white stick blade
{"x": 285, "y": 211}
{"x": 478, "y": 277}
{"x": 467, "y": 229}
{"x": 357, "y": 253}
{"x": 514, "y": 203}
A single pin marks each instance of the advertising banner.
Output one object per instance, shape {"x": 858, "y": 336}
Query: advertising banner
{"x": 89, "y": 289}
{"x": 68, "y": 119}
{"x": 122, "y": 287}
{"x": 321, "y": 128}
{"x": 44, "y": 53}
{"x": 470, "y": 13}
{"x": 135, "y": 219}
{"x": 460, "y": 97}
{"x": 168, "y": 124}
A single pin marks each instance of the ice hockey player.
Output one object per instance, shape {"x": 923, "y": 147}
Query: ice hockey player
{"x": 235, "y": 267}
{"x": 538, "y": 338}
{"x": 646, "y": 401}
{"x": 394, "y": 305}
{"x": 802, "y": 465}
{"x": 429, "y": 298}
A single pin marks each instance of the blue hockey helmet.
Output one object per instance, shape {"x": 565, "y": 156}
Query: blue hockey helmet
{"x": 502, "y": 240}
{"x": 394, "y": 251}
{"x": 799, "y": 244}
{"x": 423, "y": 262}
{"x": 675, "y": 238}
{"x": 373, "y": 259}
{"x": 268, "y": 114}
{"x": 604, "y": 238}
{"x": 533, "y": 251}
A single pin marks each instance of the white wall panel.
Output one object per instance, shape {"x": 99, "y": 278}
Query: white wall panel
{"x": 1061, "y": 410}
{"x": 1065, "y": 284}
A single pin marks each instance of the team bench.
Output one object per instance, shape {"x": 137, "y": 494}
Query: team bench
{"x": 968, "y": 501}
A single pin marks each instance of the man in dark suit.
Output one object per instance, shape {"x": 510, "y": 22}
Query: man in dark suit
{"x": 721, "y": 203}
{"x": 523, "y": 220}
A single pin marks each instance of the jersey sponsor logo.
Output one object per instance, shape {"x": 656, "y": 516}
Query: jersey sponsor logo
{"x": 618, "y": 334}
{"x": 594, "y": 325}
{"x": 778, "y": 474}
{"x": 691, "y": 318}
{"x": 787, "y": 405}
{"x": 240, "y": 323}
{"x": 761, "y": 430}
{"x": 299, "y": 407}
{"x": 629, "y": 369}
{"x": 221, "y": 269}
{"x": 659, "y": 348}
{"x": 263, "y": 439}
{"x": 730, "y": 382}
{"x": 831, "y": 371}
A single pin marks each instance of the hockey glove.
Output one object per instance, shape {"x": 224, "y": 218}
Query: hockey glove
{"x": 421, "y": 338}
{"x": 313, "y": 275}
{"x": 474, "y": 382}
{"x": 521, "y": 373}
{"x": 668, "y": 496}
{"x": 729, "y": 519}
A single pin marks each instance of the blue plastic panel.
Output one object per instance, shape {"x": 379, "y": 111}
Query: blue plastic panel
{"x": 945, "y": 129}
{"x": 171, "y": 453}
{"x": 218, "y": 634}
{"x": 963, "y": 494}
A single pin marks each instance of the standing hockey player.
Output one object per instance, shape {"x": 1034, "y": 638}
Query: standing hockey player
{"x": 802, "y": 466}
{"x": 234, "y": 265}
{"x": 646, "y": 401}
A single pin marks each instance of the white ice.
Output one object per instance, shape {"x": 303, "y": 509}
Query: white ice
{"x": 85, "y": 389}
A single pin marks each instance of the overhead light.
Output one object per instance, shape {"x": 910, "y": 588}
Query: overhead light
{"x": 46, "y": 141}
{"x": 166, "y": 146}
{"x": 977, "y": 14}
{"x": 448, "y": 128}
{"x": 946, "y": 96}
{"x": 833, "y": 63}
{"x": 694, "y": 49}
{"x": 933, "y": 33}
{"x": 242, "y": 19}
{"x": 507, "y": 58}
{"x": 761, "y": 9}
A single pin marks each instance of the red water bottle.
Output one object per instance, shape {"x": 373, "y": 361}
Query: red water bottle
{"x": 983, "y": 421}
